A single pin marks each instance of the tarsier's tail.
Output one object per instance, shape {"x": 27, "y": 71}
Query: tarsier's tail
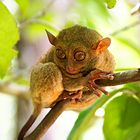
{"x": 28, "y": 124}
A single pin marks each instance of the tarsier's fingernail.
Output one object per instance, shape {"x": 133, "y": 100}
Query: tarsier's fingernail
{"x": 97, "y": 94}
{"x": 70, "y": 93}
{"x": 107, "y": 94}
{"x": 111, "y": 77}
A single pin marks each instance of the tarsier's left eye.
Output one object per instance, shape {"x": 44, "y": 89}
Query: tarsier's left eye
{"x": 79, "y": 56}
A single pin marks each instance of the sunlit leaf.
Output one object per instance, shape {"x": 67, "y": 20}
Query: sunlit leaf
{"x": 111, "y": 3}
{"x": 23, "y": 5}
{"x": 121, "y": 116}
{"x": 8, "y": 37}
{"x": 135, "y": 133}
{"x": 133, "y": 88}
{"x": 87, "y": 13}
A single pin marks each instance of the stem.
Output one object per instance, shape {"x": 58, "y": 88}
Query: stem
{"x": 126, "y": 28}
{"x": 38, "y": 15}
{"x": 14, "y": 90}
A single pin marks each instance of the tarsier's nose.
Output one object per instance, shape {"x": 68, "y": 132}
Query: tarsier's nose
{"x": 71, "y": 70}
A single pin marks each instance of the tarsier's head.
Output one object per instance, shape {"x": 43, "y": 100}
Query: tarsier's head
{"x": 76, "y": 47}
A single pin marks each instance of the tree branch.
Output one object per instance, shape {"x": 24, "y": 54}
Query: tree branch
{"x": 48, "y": 120}
{"x": 14, "y": 90}
{"x": 126, "y": 28}
{"x": 119, "y": 78}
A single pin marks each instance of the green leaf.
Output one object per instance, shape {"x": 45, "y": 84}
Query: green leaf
{"x": 121, "y": 116}
{"x": 135, "y": 133}
{"x": 133, "y": 88}
{"x": 86, "y": 118}
{"x": 8, "y": 37}
{"x": 111, "y": 3}
{"x": 87, "y": 13}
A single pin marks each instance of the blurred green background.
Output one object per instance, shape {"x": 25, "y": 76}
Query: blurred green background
{"x": 23, "y": 41}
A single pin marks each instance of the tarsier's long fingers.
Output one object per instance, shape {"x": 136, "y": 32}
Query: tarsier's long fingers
{"x": 98, "y": 71}
{"x": 96, "y": 92}
{"x": 107, "y": 76}
{"x": 99, "y": 74}
{"x": 96, "y": 89}
{"x": 77, "y": 95}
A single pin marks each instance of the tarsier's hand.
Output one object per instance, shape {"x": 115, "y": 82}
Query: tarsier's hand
{"x": 95, "y": 75}
{"x": 89, "y": 82}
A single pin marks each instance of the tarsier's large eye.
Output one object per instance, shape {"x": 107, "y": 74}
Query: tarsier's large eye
{"x": 79, "y": 56}
{"x": 60, "y": 54}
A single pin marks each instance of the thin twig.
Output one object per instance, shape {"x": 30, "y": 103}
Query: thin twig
{"x": 126, "y": 28}
{"x": 119, "y": 78}
{"x": 14, "y": 90}
{"x": 136, "y": 9}
{"x": 36, "y": 18}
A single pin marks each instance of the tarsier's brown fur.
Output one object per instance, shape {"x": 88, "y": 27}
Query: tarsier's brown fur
{"x": 76, "y": 57}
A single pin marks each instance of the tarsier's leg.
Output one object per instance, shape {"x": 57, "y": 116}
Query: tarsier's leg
{"x": 88, "y": 98}
{"x": 31, "y": 120}
{"x": 95, "y": 75}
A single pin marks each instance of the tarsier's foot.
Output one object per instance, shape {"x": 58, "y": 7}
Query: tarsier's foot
{"x": 77, "y": 95}
{"x": 95, "y": 75}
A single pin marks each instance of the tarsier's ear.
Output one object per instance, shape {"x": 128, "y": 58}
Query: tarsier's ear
{"x": 103, "y": 45}
{"x": 51, "y": 37}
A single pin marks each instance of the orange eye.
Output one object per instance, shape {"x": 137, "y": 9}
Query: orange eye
{"x": 60, "y": 54}
{"x": 79, "y": 56}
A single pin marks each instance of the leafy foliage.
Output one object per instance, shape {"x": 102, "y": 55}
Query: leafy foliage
{"x": 121, "y": 113}
{"x": 8, "y": 37}
{"x": 91, "y": 19}
{"x": 122, "y": 119}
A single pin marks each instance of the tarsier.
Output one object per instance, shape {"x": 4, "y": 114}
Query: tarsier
{"x": 78, "y": 57}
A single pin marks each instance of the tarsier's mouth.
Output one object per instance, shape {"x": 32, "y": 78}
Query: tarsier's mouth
{"x": 71, "y": 75}
{"x": 72, "y": 72}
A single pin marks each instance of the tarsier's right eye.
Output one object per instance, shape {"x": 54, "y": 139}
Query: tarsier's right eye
{"x": 60, "y": 54}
